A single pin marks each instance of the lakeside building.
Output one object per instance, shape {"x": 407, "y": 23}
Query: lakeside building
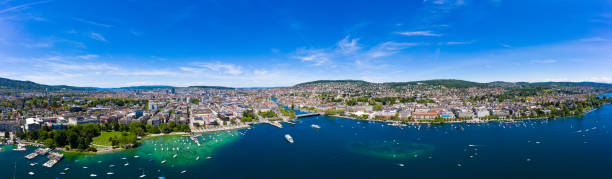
{"x": 425, "y": 115}
{"x": 81, "y": 120}
{"x": 11, "y": 126}
{"x": 33, "y": 124}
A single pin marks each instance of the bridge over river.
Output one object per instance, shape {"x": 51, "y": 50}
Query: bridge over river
{"x": 307, "y": 115}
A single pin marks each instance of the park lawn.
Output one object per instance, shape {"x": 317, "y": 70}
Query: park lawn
{"x": 103, "y": 138}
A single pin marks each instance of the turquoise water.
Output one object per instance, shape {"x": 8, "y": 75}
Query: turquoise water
{"x": 344, "y": 148}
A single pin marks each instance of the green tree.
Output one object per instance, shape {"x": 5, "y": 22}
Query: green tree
{"x": 60, "y": 138}
{"x": 49, "y": 143}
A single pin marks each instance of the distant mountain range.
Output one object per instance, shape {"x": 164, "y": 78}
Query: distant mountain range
{"x": 8, "y": 84}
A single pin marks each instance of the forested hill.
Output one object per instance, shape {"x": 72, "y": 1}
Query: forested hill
{"x": 449, "y": 83}
{"x": 453, "y": 83}
{"x": 361, "y": 82}
{"x": 8, "y": 84}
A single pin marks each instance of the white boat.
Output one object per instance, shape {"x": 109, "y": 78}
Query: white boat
{"x": 62, "y": 173}
{"x": 143, "y": 175}
{"x": 66, "y": 169}
{"x": 126, "y": 164}
{"x": 315, "y": 126}
{"x": 163, "y": 161}
{"x": 184, "y": 171}
{"x": 289, "y": 138}
{"x": 110, "y": 173}
{"x": 20, "y": 147}
{"x": 30, "y": 173}
{"x": 209, "y": 157}
{"x": 198, "y": 158}
{"x": 136, "y": 156}
{"x": 175, "y": 155}
{"x": 93, "y": 175}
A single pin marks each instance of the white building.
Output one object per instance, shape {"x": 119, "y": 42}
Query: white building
{"x": 33, "y": 124}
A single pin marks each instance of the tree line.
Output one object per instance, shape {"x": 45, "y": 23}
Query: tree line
{"x": 80, "y": 137}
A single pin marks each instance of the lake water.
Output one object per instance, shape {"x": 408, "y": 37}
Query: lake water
{"x": 577, "y": 147}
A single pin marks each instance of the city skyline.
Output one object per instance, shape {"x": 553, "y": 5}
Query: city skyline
{"x": 270, "y": 44}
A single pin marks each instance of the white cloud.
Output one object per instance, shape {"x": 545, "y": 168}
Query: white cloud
{"x": 350, "y": 49}
{"x": 459, "y": 43}
{"x": 387, "y": 49}
{"x": 80, "y": 67}
{"x": 545, "y": 61}
{"x": 20, "y": 7}
{"x": 318, "y": 56}
{"x": 348, "y": 45}
{"x": 427, "y": 33}
{"x": 88, "y": 56}
{"x": 438, "y": 2}
{"x": 224, "y": 68}
{"x": 151, "y": 72}
{"x": 45, "y": 77}
{"x": 140, "y": 83}
{"x": 97, "y": 36}
{"x": 260, "y": 72}
{"x": 93, "y": 23}
{"x": 600, "y": 79}
{"x": 189, "y": 69}
{"x": 38, "y": 45}
{"x": 594, "y": 39}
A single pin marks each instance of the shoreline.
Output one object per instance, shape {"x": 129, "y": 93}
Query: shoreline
{"x": 346, "y": 117}
{"x": 472, "y": 121}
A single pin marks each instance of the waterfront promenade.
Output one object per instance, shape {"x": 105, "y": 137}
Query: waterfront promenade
{"x": 202, "y": 130}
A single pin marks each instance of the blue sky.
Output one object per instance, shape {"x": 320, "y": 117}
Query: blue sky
{"x": 281, "y": 43}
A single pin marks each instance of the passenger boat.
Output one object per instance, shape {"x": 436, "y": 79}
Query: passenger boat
{"x": 289, "y": 138}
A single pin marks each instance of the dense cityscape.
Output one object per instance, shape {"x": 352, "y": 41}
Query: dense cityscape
{"x": 500, "y": 89}
{"x": 102, "y": 120}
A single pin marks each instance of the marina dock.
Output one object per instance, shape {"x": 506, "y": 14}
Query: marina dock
{"x": 219, "y": 128}
{"x": 275, "y": 123}
{"x": 54, "y": 158}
